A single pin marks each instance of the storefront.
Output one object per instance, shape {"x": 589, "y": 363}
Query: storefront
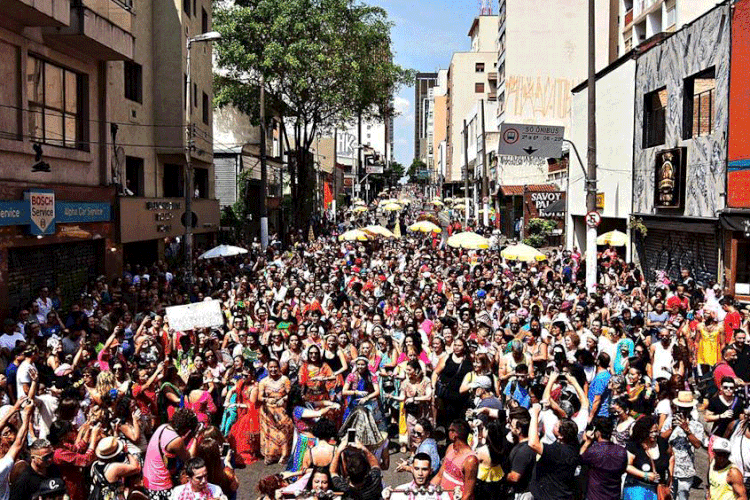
{"x": 59, "y": 236}
{"x": 150, "y": 227}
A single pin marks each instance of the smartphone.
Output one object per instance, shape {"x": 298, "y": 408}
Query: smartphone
{"x": 351, "y": 435}
{"x": 225, "y": 449}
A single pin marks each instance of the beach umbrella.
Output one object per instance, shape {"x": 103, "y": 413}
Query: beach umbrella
{"x": 358, "y": 203}
{"x": 354, "y": 235}
{"x": 392, "y": 207}
{"x": 468, "y": 240}
{"x": 222, "y": 251}
{"x": 615, "y": 238}
{"x": 359, "y": 210}
{"x": 379, "y": 231}
{"x": 425, "y": 226}
{"x": 522, "y": 252}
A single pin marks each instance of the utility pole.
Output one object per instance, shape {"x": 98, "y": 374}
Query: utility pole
{"x": 466, "y": 175}
{"x": 591, "y": 184}
{"x": 335, "y": 172}
{"x": 359, "y": 154}
{"x": 485, "y": 177}
{"x": 263, "y": 170}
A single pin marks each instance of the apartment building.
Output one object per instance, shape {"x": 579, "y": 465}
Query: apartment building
{"x": 539, "y": 60}
{"x": 471, "y": 77}
{"x": 57, "y": 225}
{"x": 642, "y": 19}
{"x": 439, "y": 113}
{"x": 423, "y": 85}
{"x": 148, "y": 101}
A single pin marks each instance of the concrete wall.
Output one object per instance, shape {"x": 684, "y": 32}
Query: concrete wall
{"x": 699, "y": 46}
{"x": 483, "y": 34}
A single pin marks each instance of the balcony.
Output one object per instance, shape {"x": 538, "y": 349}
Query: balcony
{"x": 492, "y": 76}
{"x": 38, "y": 12}
{"x": 100, "y": 28}
{"x": 628, "y": 17}
{"x": 492, "y": 96}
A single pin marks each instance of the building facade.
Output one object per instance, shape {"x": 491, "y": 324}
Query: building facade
{"x": 615, "y": 95}
{"x": 680, "y": 148}
{"x": 423, "y": 85}
{"x": 149, "y": 99}
{"x": 57, "y": 198}
{"x": 471, "y": 77}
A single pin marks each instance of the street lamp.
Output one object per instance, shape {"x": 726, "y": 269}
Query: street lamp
{"x": 204, "y": 37}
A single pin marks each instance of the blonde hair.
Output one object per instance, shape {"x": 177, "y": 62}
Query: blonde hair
{"x": 105, "y": 382}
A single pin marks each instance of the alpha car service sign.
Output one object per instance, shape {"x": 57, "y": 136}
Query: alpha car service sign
{"x": 41, "y": 211}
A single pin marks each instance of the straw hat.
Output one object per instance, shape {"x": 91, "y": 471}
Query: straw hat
{"x": 684, "y": 399}
{"x": 109, "y": 447}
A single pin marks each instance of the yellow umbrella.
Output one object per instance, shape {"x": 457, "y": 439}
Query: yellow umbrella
{"x": 615, "y": 238}
{"x": 481, "y": 210}
{"x": 523, "y": 253}
{"x": 425, "y": 226}
{"x": 460, "y": 206}
{"x": 354, "y": 235}
{"x": 468, "y": 240}
{"x": 379, "y": 231}
{"x": 405, "y": 201}
{"x": 448, "y": 200}
{"x": 392, "y": 207}
{"x": 359, "y": 210}
{"x": 437, "y": 203}
{"x": 359, "y": 203}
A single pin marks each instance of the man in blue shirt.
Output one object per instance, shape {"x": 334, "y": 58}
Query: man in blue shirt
{"x": 599, "y": 393}
{"x": 518, "y": 387}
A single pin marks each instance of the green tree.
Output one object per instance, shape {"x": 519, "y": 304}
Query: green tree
{"x": 415, "y": 176}
{"x": 539, "y": 231}
{"x": 322, "y": 63}
{"x": 395, "y": 172}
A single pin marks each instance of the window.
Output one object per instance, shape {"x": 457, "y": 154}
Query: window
{"x": 133, "y": 81}
{"x": 56, "y": 103}
{"x": 195, "y": 9}
{"x": 200, "y": 182}
{"x": 671, "y": 16}
{"x": 206, "y": 104}
{"x": 699, "y": 104}
{"x": 204, "y": 21}
{"x": 173, "y": 181}
{"x": 186, "y": 7}
{"x": 195, "y": 95}
{"x": 134, "y": 175}
{"x": 654, "y": 117}
{"x": 479, "y": 87}
{"x": 479, "y": 67}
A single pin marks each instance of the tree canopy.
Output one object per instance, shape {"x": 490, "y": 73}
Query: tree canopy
{"x": 321, "y": 62}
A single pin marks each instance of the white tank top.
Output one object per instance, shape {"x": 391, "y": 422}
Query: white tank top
{"x": 662, "y": 362}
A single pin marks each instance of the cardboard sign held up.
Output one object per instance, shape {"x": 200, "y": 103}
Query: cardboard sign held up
{"x": 199, "y": 315}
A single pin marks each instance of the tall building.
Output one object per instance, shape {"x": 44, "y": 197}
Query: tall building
{"x": 642, "y": 19}
{"x": 471, "y": 77}
{"x": 57, "y": 225}
{"x": 534, "y": 80}
{"x": 424, "y": 82}
{"x": 149, "y": 99}
{"x": 439, "y": 112}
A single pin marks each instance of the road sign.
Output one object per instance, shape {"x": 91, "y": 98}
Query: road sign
{"x": 593, "y": 219}
{"x": 374, "y": 169}
{"x": 42, "y": 211}
{"x": 543, "y": 141}
{"x": 600, "y": 201}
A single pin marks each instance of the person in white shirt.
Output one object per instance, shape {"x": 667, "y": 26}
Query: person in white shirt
{"x": 45, "y": 303}
{"x": 10, "y": 335}
{"x": 197, "y": 487}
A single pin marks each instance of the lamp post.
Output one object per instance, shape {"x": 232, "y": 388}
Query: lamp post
{"x": 204, "y": 37}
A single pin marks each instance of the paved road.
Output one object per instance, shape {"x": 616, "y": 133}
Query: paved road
{"x": 250, "y": 476}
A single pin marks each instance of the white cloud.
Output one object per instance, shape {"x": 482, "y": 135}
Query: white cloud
{"x": 401, "y": 105}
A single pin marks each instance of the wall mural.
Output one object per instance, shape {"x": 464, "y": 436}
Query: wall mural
{"x": 702, "y": 45}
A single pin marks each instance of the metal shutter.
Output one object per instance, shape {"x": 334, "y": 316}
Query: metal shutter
{"x": 671, "y": 250}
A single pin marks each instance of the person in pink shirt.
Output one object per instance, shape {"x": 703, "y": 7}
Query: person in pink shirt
{"x": 168, "y": 442}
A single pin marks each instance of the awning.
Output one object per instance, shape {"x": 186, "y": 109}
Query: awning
{"x": 554, "y": 209}
{"x": 735, "y": 222}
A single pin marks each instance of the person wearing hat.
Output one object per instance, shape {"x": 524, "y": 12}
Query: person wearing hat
{"x": 724, "y": 478}
{"x": 112, "y": 466}
{"x": 486, "y": 402}
{"x": 51, "y": 489}
{"x": 685, "y": 433}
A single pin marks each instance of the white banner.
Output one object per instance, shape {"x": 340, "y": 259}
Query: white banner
{"x": 199, "y": 315}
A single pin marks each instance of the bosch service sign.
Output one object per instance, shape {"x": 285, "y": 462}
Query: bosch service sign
{"x": 42, "y": 211}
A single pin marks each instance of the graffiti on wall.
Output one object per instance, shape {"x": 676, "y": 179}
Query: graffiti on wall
{"x": 683, "y": 250}
{"x": 538, "y": 97}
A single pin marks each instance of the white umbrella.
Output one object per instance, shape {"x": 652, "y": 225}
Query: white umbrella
{"x": 222, "y": 251}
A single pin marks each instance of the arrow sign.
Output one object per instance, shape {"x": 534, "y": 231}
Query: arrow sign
{"x": 542, "y": 141}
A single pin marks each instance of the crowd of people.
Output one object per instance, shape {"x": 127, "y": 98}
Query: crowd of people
{"x": 481, "y": 378}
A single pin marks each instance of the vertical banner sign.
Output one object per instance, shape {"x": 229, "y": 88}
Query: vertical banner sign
{"x": 41, "y": 211}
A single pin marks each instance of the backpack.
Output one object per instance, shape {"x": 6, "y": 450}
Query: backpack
{"x": 101, "y": 489}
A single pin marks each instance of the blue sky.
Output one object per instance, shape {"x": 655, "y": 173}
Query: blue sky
{"x": 425, "y": 35}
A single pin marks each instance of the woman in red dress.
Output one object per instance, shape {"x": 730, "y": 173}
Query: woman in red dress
{"x": 245, "y": 434}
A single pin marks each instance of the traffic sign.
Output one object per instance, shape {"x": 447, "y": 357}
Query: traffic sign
{"x": 374, "y": 169}
{"x": 543, "y": 141}
{"x": 593, "y": 219}
{"x": 193, "y": 219}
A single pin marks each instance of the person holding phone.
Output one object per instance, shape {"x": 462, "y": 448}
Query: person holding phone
{"x": 650, "y": 461}
{"x": 685, "y": 433}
